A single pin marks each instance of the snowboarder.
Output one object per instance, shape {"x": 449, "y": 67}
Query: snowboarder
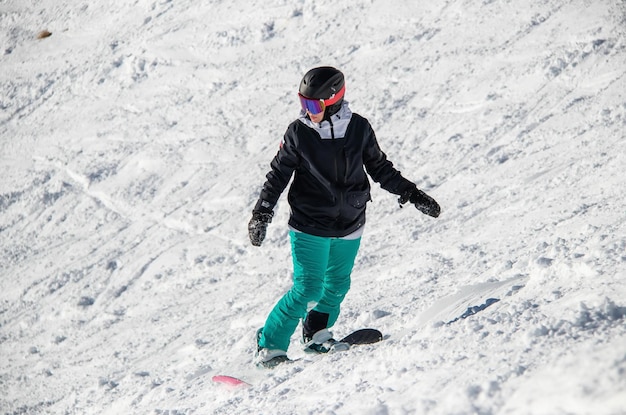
{"x": 328, "y": 149}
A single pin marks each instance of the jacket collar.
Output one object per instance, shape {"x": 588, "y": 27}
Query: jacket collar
{"x": 337, "y": 125}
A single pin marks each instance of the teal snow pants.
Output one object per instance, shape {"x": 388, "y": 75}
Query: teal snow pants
{"x": 321, "y": 279}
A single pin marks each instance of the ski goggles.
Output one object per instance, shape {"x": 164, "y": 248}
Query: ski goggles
{"x": 315, "y": 106}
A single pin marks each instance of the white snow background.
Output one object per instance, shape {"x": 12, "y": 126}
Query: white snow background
{"x": 134, "y": 142}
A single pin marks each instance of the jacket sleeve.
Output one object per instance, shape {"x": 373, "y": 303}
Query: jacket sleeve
{"x": 282, "y": 168}
{"x": 381, "y": 169}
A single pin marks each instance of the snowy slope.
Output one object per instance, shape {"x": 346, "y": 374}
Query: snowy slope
{"x": 134, "y": 142}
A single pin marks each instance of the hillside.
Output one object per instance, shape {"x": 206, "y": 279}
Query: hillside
{"x": 133, "y": 145}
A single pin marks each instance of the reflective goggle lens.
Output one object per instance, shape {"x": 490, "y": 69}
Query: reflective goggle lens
{"x": 314, "y": 106}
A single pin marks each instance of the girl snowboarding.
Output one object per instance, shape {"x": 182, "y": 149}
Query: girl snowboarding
{"x": 328, "y": 150}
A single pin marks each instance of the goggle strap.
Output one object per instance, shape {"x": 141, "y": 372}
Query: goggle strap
{"x": 335, "y": 97}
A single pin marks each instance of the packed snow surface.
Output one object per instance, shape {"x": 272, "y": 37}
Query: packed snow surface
{"x": 134, "y": 141}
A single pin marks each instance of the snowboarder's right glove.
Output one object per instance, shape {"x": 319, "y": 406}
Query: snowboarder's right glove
{"x": 258, "y": 225}
{"x": 421, "y": 200}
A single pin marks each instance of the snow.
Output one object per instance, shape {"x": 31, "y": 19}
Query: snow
{"x": 133, "y": 145}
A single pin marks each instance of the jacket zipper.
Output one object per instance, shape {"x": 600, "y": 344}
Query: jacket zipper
{"x": 332, "y": 137}
{"x": 341, "y": 196}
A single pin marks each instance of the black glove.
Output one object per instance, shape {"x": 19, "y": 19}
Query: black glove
{"x": 258, "y": 225}
{"x": 421, "y": 200}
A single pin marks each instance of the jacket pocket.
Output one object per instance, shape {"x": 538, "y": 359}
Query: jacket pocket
{"x": 358, "y": 199}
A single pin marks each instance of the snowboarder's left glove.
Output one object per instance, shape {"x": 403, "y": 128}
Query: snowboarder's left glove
{"x": 421, "y": 200}
{"x": 258, "y": 226}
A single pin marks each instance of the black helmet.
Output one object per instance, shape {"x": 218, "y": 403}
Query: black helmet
{"x": 326, "y": 83}
{"x": 321, "y": 83}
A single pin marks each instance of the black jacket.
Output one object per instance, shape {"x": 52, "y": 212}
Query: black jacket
{"x": 330, "y": 187}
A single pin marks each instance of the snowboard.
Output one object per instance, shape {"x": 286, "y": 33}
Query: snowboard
{"x": 361, "y": 336}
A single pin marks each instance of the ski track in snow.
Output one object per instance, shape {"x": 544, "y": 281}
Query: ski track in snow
{"x": 135, "y": 139}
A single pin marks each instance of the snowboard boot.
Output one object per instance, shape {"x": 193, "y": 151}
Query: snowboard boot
{"x": 268, "y": 358}
{"x": 323, "y": 342}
